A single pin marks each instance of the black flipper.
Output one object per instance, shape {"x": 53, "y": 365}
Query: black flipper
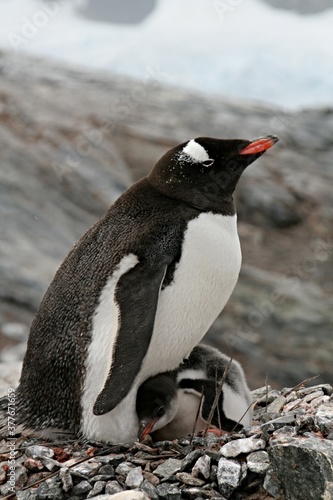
{"x": 137, "y": 295}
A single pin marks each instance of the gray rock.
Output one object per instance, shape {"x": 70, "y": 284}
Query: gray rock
{"x": 25, "y": 495}
{"x": 258, "y": 462}
{"x": 66, "y": 479}
{"x": 149, "y": 489}
{"x": 228, "y": 476}
{"x": 2, "y": 475}
{"x": 261, "y": 394}
{"x": 304, "y": 466}
{"x": 114, "y": 459}
{"x": 39, "y": 452}
{"x": 21, "y": 477}
{"x": 187, "y": 478}
{"x": 272, "y": 485}
{"x": 238, "y": 446}
{"x": 50, "y": 464}
{"x": 102, "y": 477}
{"x": 326, "y": 388}
{"x": 202, "y": 466}
{"x": 277, "y": 405}
{"x": 113, "y": 487}
{"x": 279, "y": 422}
{"x": 124, "y": 468}
{"x": 107, "y": 470}
{"x": 134, "y": 478}
{"x": 48, "y": 491}
{"x": 324, "y": 418}
{"x": 190, "y": 458}
{"x": 33, "y": 464}
{"x": 200, "y": 493}
{"x": 6, "y": 489}
{"x": 168, "y": 492}
{"x": 81, "y": 488}
{"x": 97, "y": 489}
{"x": 168, "y": 468}
{"x": 124, "y": 495}
{"x": 285, "y": 431}
{"x": 86, "y": 469}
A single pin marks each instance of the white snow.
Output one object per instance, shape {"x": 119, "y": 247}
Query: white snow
{"x": 238, "y": 48}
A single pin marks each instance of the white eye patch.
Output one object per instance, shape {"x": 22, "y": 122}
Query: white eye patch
{"x": 196, "y": 152}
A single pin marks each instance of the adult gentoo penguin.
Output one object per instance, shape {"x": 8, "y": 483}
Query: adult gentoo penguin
{"x": 136, "y": 293}
{"x": 168, "y": 403}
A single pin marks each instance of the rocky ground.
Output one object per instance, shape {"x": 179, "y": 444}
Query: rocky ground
{"x": 71, "y": 142}
{"x": 286, "y": 454}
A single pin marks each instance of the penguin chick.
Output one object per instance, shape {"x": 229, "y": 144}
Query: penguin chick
{"x": 168, "y": 404}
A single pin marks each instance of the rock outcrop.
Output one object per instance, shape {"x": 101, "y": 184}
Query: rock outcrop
{"x": 71, "y": 141}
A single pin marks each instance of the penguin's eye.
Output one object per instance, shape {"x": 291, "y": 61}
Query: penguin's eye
{"x": 208, "y": 163}
{"x": 160, "y": 411}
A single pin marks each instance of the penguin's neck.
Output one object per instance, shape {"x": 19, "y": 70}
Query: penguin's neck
{"x": 198, "y": 199}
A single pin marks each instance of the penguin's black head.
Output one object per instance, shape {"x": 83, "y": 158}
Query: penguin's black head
{"x": 204, "y": 172}
{"x": 156, "y": 403}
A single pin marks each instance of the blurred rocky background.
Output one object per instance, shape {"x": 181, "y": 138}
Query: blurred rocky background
{"x": 71, "y": 141}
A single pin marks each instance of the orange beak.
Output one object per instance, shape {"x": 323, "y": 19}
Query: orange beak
{"x": 259, "y": 145}
{"x": 146, "y": 428}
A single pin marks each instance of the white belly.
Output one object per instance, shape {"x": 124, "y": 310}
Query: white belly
{"x": 203, "y": 282}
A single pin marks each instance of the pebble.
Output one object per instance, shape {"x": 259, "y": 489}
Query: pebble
{"x": 168, "y": 468}
{"x": 39, "y": 452}
{"x": 272, "y": 485}
{"x": 97, "y": 489}
{"x": 154, "y": 480}
{"x": 187, "y": 478}
{"x": 113, "y": 487}
{"x": 134, "y": 478}
{"x": 260, "y": 393}
{"x": 124, "y": 468}
{"x": 168, "y": 492}
{"x": 49, "y": 490}
{"x": 50, "y": 464}
{"x": 276, "y": 423}
{"x": 228, "y": 476}
{"x": 81, "y": 488}
{"x": 107, "y": 470}
{"x": 324, "y": 418}
{"x": 202, "y": 466}
{"x": 21, "y": 477}
{"x": 189, "y": 460}
{"x": 276, "y": 405}
{"x": 149, "y": 489}
{"x": 33, "y": 464}
{"x": 3, "y": 475}
{"x": 258, "y": 461}
{"x": 124, "y": 495}
{"x": 113, "y": 459}
{"x": 86, "y": 469}
{"x": 66, "y": 479}
{"x": 246, "y": 445}
{"x": 326, "y": 388}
